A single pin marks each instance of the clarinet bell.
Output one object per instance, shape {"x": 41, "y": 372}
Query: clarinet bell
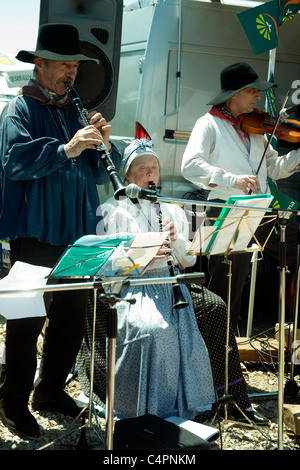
{"x": 180, "y": 301}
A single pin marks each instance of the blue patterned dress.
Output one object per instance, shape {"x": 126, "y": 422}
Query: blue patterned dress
{"x": 162, "y": 363}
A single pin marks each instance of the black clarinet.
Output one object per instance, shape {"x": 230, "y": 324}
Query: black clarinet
{"x": 101, "y": 148}
{"x": 180, "y": 301}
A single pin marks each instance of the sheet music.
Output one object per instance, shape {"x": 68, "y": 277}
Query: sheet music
{"x": 201, "y": 240}
{"x": 134, "y": 257}
{"x": 241, "y": 223}
{"x": 23, "y": 304}
{"x": 234, "y": 232}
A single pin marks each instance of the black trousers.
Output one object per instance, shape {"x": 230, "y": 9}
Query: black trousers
{"x": 218, "y": 270}
{"x": 66, "y": 311}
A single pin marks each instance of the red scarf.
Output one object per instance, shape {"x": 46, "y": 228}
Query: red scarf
{"x": 221, "y": 111}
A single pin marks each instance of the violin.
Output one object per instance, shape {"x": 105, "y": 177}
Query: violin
{"x": 260, "y": 122}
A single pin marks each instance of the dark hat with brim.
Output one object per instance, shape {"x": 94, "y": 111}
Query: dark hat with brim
{"x": 56, "y": 42}
{"x": 235, "y": 78}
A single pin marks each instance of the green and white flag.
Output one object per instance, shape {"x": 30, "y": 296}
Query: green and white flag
{"x": 261, "y": 26}
{"x": 288, "y": 9}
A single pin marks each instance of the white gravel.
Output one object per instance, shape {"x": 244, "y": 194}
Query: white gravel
{"x": 59, "y": 432}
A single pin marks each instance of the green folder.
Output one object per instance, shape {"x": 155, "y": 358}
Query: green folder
{"x": 87, "y": 255}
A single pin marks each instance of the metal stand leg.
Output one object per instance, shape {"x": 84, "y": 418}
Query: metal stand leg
{"x": 226, "y": 399}
{"x": 291, "y": 388}
{"x": 229, "y": 262}
{"x": 92, "y": 359}
{"x": 281, "y": 345}
{"x": 82, "y": 443}
{"x": 112, "y": 333}
{"x": 110, "y": 384}
{"x": 252, "y": 294}
{"x": 283, "y": 222}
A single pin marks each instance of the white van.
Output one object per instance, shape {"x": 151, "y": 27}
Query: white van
{"x": 172, "y": 53}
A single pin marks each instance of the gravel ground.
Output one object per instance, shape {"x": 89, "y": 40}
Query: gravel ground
{"x": 62, "y": 433}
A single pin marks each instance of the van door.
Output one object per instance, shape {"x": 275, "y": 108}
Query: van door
{"x": 211, "y": 39}
{"x": 171, "y": 57}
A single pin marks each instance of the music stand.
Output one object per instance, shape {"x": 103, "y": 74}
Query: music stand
{"x": 231, "y": 234}
{"x": 108, "y": 260}
{"x": 89, "y": 249}
{"x": 198, "y": 245}
{"x": 283, "y": 220}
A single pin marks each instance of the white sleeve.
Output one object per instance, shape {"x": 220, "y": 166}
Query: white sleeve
{"x": 283, "y": 166}
{"x": 196, "y": 162}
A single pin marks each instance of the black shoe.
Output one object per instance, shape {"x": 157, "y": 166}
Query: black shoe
{"x": 19, "y": 420}
{"x": 254, "y": 416}
{"x": 203, "y": 416}
{"x": 60, "y": 403}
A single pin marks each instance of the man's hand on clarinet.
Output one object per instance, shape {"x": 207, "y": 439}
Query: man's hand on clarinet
{"x": 89, "y": 137}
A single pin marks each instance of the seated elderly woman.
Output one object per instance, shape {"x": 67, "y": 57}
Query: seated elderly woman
{"x": 168, "y": 361}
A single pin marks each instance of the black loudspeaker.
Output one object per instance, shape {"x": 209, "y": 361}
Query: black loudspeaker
{"x": 99, "y": 23}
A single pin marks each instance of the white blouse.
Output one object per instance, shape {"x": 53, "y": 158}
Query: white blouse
{"x": 124, "y": 216}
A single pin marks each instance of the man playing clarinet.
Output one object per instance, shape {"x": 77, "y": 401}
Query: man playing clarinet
{"x": 48, "y": 198}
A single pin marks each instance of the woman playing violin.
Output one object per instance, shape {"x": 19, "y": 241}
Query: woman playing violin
{"x": 223, "y": 158}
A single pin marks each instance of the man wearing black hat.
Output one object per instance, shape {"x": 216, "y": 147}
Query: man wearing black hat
{"x": 222, "y": 158}
{"x": 48, "y": 184}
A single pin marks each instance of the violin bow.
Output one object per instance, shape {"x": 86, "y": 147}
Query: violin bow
{"x": 271, "y": 136}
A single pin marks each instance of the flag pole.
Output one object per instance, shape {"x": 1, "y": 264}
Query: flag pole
{"x": 270, "y": 101}
{"x": 272, "y": 109}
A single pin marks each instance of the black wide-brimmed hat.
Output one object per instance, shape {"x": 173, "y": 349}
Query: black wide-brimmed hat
{"x": 235, "y": 78}
{"x": 56, "y": 42}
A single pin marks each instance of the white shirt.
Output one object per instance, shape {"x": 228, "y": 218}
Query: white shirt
{"x": 216, "y": 154}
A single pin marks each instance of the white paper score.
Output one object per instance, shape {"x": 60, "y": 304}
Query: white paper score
{"x": 24, "y": 304}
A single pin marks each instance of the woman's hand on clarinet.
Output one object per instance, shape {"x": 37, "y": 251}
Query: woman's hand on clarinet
{"x": 164, "y": 250}
{"x": 168, "y": 226}
{"x": 89, "y": 137}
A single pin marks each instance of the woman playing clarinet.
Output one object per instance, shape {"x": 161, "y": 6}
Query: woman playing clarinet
{"x": 163, "y": 364}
